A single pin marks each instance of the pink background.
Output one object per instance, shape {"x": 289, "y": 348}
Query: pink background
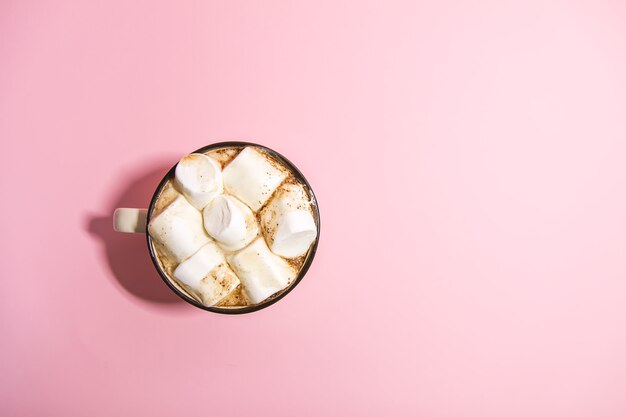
{"x": 469, "y": 164}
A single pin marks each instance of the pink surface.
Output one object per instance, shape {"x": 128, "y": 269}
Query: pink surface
{"x": 469, "y": 165}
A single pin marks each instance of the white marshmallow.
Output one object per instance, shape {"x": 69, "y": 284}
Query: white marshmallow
{"x": 206, "y": 275}
{"x": 178, "y": 228}
{"x": 252, "y": 178}
{"x": 192, "y": 270}
{"x": 289, "y": 225}
{"x": 295, "y": 233}
{"x": 199, "y": 178}
{"x": 261, "y": 272}
{"x": 230, "y": 222}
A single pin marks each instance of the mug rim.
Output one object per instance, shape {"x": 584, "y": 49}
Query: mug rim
{"x": 237, "y": 310}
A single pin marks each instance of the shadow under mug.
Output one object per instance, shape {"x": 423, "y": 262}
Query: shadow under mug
{"x": 133, "y": 220}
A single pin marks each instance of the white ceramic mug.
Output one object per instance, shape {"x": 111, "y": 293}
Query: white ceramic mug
{"x": 135, "y": 220}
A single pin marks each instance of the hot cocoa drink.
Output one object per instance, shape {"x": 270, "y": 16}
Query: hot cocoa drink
{"x": 232, "y": 227}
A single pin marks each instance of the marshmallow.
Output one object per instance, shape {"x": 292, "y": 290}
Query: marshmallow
{"x": 199, "y": 178}
{"x": 230, "y": 222}
{"x": 295, "y": 233}
{"x": 206, "y": 275}
{"x": 261, "y": 272}
{"x": 288, "y": 223}
{"x": 178, "y": 228}
{"x": 252, "y": 178}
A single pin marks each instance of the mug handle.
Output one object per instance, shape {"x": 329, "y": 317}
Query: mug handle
{"x": 130, "y": 220}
